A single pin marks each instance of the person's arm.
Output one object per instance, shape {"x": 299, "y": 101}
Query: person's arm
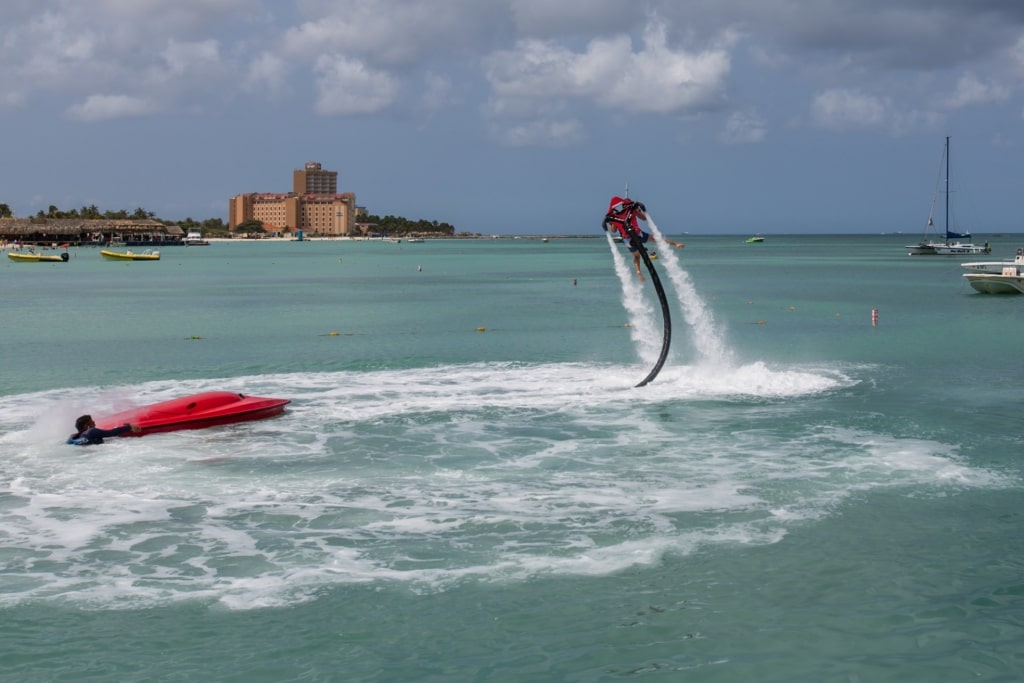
{"x": 97, "y": 433}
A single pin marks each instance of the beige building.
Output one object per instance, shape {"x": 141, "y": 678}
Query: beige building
{"x": 314, "y": 206}
{"x": 314, "y": 180}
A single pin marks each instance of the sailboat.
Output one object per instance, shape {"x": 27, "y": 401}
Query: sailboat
{"x": 951, "y": 246}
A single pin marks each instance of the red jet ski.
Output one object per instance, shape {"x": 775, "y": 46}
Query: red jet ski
{"x": 195, "y": 412}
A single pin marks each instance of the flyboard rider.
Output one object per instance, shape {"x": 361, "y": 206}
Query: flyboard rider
{"x": 622, "y": 216}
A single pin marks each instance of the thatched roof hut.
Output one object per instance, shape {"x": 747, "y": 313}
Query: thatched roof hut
{"x": 80, "y": 230}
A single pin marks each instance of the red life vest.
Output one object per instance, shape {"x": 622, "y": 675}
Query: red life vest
{"x": 622, "y": 216}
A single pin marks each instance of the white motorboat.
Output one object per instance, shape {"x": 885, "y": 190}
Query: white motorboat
{"x": 194, "y": 239}
{"x": 1010, "y": 281}
{"x": 997, "y": 277}
{"x": 994, "y": 266}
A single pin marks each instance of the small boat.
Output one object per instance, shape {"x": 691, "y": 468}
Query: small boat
{"x": 755, "y": 239}
{"x": 414, "y": 240}
{"x": 198, "y": 411}
{"x": 951, "y": 246}
{"x": 27, "y": 257}
{"x": 1010, "y": 281}
{"x": 129, "y": 255}
{"x": 997, "y": 277}
{"x": 994, "y": 266}
{"x": 195, "y": 239}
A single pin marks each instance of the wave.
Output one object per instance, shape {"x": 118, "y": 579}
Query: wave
{"x": 432, "y": 476}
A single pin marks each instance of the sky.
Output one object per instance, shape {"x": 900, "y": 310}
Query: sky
{"x": 523, "y": 116}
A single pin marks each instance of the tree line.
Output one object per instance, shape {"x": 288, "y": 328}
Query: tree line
{"x": 396, "y": 225}
{"x": 92, "y": 212}
{"x": 391, "y": 225}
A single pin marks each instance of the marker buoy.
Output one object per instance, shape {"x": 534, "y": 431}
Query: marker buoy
{"x": 481, "y": 329}
{"x": 332, "y": 334}
{"x": 874, "y": 317}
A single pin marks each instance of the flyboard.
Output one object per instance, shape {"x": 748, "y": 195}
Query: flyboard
{"x": 622, "y": 215}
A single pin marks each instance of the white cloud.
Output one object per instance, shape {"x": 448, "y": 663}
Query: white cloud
{"x": 346, "y": 86}
{"x": 540, "y": 75}
{"x": 392, "y": 34}
{"x": 105, "y": 107}
{"x": 743, "y": 127}
{"x": 267, "y": 73}
{"x": 191, "y": 59}
{"x": 12, "y": 99}
{"x": 524, "y": 58}
{"x": 540, "y": 134}
{"x": 845, "y": 110}
{"x": 656, "y": 79}
{"x": 841, "y": 109}
{"x": 970, "y": 90}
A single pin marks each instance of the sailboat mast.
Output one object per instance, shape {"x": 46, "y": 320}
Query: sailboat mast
{"x": 947, "y": 189}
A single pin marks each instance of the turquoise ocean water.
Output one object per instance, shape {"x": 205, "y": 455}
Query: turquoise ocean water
{"x": 468, "y": 487}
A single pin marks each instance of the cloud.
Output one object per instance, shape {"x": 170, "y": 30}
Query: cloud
{"x": 970, "y": 90}
{"x": 12, "y": 99}
{"x": 607, "y": 73}
{"x": 399, "y": 35}
{"x": 268, "y": 73}
{"x": 743, "y": 127}
{"x": 540, "y": 134}
{"x": 517, "y": 61}
{"x": 105, "y": 107}
{"x": 843, "y": 110}
{"x": 346, "y": 86}
{"x": 190, "y": 59}
{"x": 656, "y": 79}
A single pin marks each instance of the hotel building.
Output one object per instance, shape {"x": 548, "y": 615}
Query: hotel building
{"x": 313, "y": 206}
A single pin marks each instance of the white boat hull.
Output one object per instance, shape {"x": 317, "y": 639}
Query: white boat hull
{"x": 1010, "y": 280}
{"x": 988, "y": 283}
{"x": 943, "y": 249}
{"x": 958, "y": 249}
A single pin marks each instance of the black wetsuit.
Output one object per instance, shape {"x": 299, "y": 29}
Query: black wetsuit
{"x": 95, "y": 435}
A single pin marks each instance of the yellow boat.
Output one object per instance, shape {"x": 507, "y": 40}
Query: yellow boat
{"x": 30, "y": 258}
{"x": 129, "y": 255}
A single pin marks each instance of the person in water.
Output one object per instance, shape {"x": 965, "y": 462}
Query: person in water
{"x": 622, "y": 216}
{"x": 88, "y": 434}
